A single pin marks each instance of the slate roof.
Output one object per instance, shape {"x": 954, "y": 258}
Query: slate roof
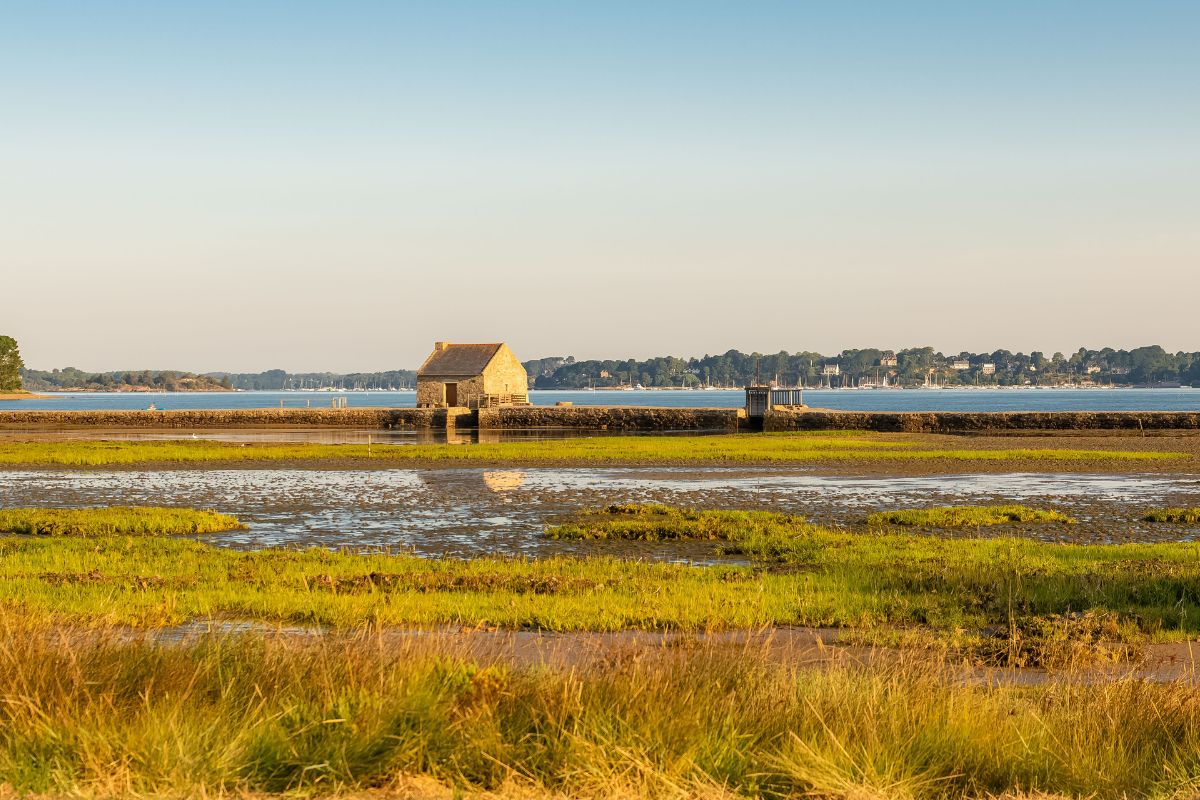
{"x": 458, "y": 360}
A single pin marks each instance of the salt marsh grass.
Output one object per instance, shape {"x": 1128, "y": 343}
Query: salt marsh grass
{"x": 1183, "y": 515}
{"x": 734, "y": 449}
{"x": 800, "y": 574}
{"x": 967, "y": 516}
{"x": 106, "y": 716}
{"x": 114, "y": 521}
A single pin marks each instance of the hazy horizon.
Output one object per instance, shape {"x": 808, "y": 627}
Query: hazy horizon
{"x": 312, "y": 187}
{"x": 611, "y": 357}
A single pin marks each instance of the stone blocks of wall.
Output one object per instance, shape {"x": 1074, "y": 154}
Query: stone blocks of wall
{"x": 431, "y": 391}
{"x": 375, "y": 418}
{"x": 980, "y": 422}
{"x": 614, "y": 418}
{"x": 606, "y": 418}
{"x": 505, "y": 375}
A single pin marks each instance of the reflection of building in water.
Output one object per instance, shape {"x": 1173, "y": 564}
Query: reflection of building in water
{"x": 503, "y": 481}
{"x": 461, "y": 436}
{"x": 454, "y": 436}
{"x": 468, "y": 485}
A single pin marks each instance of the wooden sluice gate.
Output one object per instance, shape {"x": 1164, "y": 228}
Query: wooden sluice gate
{"x": 761, "y": 399}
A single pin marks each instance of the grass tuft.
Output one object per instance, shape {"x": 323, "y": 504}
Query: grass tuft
{"x": 762, "y": 535}
{"x": 649, "y": 522}
{"x": 1184, "y": 515}
{"x": 114, "y": 521}
{"x": 966, "y": 516}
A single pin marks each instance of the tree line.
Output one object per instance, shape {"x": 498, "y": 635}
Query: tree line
{"x": 275, "y": 380}
{"x": 166, "y": 380}
{"x": 1142, "y": 366}
{"x": 70, "y": 378}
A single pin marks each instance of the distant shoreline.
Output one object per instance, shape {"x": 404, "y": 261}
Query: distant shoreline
{"x": 137, "y": 390}
{"x": 57, "y": 393}
{"x": 24, "y": 396}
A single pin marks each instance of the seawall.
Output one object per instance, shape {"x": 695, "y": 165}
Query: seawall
{"x": 981, "y": 422}
{"x": 613, "y": 418}
{"x": 372, "y": 418}
{"x": 579, "y": 418}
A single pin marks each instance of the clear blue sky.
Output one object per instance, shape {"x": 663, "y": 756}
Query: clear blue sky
{"x": 336, "y": 185}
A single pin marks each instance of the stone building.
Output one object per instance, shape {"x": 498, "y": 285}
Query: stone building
{"x": 471, "y": 376}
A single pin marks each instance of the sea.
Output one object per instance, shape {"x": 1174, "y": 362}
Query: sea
{"x": 1015, "y": 399}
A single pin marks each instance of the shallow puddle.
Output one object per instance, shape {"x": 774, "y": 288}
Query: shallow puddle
{"x": 470, "y": 512}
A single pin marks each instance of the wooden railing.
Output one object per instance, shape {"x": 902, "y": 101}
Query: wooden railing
{"x": 497, "y": 400}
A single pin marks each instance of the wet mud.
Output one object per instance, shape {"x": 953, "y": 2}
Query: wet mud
{"x": 480, "y": 511}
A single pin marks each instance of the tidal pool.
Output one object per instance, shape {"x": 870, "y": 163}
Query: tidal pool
{"x": 470, "y": 512}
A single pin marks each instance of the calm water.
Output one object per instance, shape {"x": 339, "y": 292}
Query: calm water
{"x": 471, "y": 512}
{"x": 847, "y": 399}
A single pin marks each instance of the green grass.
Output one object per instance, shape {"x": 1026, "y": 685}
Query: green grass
{"x": 966, "y": 516}
{"x": 114, "y": 521}
{"x": 107, "y": 717}
{"x": 802, "y": 574}
{"x": 1185, "y": 515}
{"x": 648, "y": 523}
{"x": 766, "y": 535}
{"x": 741, "y": 448}
{"x": 155, "y": 582}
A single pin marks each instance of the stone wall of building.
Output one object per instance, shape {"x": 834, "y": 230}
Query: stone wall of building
{"x": 505, "y": 374}
{"x": 431, "y": 391}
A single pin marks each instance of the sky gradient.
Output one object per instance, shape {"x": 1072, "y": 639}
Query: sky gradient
{"x": 314, "y": 186}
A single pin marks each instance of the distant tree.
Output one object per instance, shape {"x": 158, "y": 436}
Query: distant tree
{"x": 1192, "y": 374}
{"x": 1148, "y": 364}
{"x": 1079, "y": 359}
{"x": 10, "y": 365}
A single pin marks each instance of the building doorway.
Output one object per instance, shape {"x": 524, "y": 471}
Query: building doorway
{"x": 452, "y": 394}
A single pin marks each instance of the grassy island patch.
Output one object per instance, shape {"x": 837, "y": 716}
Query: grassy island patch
{"x": 114, "y": 521}
{"x": 638, "y": 522}
{"x": 966, "y": 516}
{"x": 1183, "y": 515}
{"x": 733, "y": 449}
